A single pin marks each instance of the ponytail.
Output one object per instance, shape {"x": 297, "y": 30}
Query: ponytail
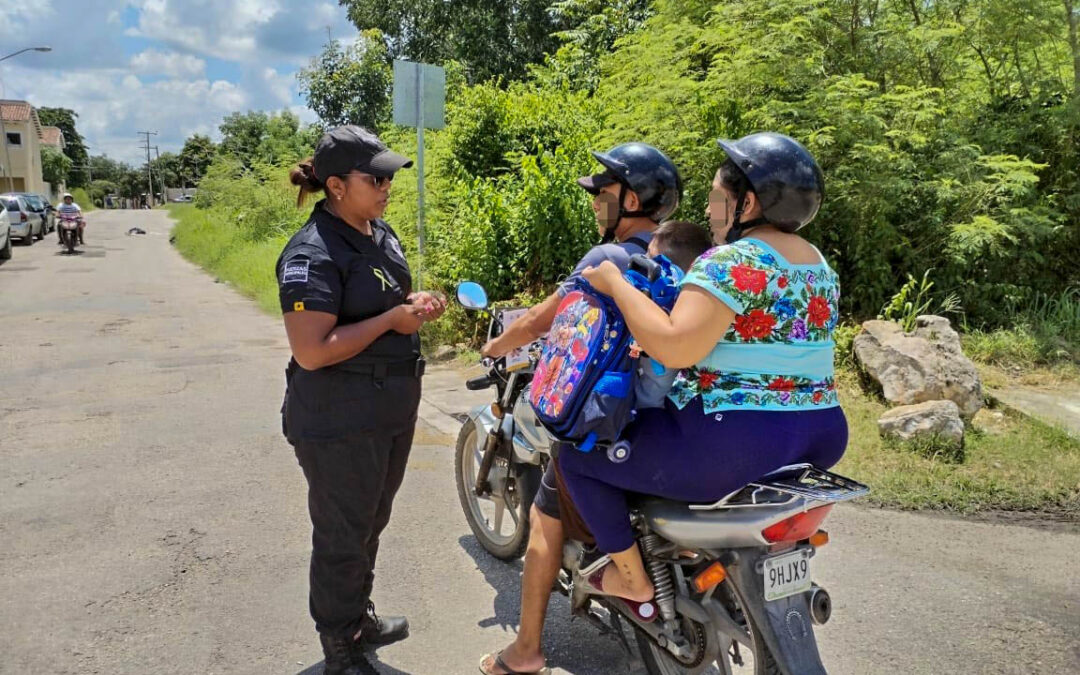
{"x": 303, "y": 176}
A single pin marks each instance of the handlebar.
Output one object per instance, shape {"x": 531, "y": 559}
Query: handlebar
{"x": 479, "y": 383}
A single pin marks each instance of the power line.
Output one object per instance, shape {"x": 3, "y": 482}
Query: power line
{"x": 149, "y": 174}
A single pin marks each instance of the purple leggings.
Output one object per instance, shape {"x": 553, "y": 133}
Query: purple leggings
{"x": 690, "y": 456}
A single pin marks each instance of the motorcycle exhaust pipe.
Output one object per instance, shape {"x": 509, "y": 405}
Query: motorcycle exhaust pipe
{"x": 820, "y": 605}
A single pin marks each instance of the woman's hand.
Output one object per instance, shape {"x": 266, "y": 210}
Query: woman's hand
{"x": 407, "y": 319}
{"x": 604, "y": 277}
{"x": 433, "y": 304}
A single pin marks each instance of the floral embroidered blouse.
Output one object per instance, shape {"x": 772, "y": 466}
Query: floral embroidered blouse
{"x": 778, "y": 353}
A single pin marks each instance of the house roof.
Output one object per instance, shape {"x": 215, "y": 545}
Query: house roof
{"x": 52, "y": 136}
{"x": 16, "y": 111}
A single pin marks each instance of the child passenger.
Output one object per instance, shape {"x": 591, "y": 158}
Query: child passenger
{"x": 681, "y": 242}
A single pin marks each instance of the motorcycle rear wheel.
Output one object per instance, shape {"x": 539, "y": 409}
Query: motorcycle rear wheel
{"x": 658, "y": 661}
{"x": 488, "y": 516}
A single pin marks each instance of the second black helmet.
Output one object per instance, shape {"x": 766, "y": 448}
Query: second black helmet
{"x": 785, "y": 177}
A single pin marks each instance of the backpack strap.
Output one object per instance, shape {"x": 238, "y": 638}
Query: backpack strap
{"x": 639, "y": 242}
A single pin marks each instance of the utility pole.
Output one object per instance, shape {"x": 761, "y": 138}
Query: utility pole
{"x": 161, "y": 176}
{"x": 149, "y": 174}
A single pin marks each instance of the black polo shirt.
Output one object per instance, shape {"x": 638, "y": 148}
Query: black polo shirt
{"x": 330, "y": 267}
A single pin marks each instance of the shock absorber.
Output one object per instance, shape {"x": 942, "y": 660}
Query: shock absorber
{"x": 661, "y": 578}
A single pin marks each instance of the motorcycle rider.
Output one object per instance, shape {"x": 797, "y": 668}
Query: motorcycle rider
{"x": 752, "y": 331}
{"x": 638, "y": 188}
{"x": 72, "y": 210}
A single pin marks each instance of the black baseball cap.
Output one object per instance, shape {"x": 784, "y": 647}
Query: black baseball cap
{"x": 596, "y": 182}
{"x": 352, "y": 148}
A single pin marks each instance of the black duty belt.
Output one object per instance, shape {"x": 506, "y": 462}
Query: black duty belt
{"x": 380, "y": 370}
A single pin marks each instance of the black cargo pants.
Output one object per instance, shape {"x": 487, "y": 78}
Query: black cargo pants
{"x": 352, "y": 435}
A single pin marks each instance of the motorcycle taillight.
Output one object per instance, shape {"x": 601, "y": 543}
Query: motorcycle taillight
{"x": 797, "y": 527}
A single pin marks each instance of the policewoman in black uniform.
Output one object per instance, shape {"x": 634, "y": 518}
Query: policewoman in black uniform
{"x": 353, "y": 383}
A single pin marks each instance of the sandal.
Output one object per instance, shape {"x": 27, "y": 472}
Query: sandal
{"x": 507, "y": 670}
{"x": 645, "y": 612}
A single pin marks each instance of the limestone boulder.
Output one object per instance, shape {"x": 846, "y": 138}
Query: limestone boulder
{"x": 926, "y": 365}
{"x": 932, "y": 419}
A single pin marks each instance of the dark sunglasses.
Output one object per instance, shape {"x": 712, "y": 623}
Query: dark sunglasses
{"x": 376, "y": 181}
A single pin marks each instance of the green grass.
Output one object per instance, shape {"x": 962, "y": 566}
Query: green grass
{"x": 1044, "y": 335}
{"x": 206, "y": 239}
{"x": 1028, "y": 466}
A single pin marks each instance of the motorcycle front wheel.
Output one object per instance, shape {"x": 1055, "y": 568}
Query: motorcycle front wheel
{"x": 499, "y": 520}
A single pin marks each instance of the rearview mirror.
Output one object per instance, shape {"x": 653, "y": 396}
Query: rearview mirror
{"x": 472, "y": 295}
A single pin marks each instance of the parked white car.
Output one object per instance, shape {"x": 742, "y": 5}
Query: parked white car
{"x": 5, "y": 236}
{"x": 25, "y": 224}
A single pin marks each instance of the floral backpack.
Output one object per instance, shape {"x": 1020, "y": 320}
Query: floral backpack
{"x": 583, "y": 387}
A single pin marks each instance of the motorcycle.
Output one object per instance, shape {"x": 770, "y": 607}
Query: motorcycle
{"x": 69, "y": 231}
{"x": 733, "y": 579}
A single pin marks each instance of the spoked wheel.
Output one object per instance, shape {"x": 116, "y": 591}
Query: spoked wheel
{"x": 659, "y": 661}
{"x": 750, "y": 657}
{"x": 747, "y": 656}
{"x": 500, "y": 520}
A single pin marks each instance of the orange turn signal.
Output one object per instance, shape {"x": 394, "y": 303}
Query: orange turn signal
{"x": 709, "y": 577}
{"x": 819, "y": 538}
{"x": 497, "y": 410}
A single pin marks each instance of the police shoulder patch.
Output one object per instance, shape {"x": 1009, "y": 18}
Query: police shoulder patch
{"x": 295, "y": 271}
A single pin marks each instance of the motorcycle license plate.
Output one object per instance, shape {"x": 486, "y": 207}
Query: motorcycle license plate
{"x": 787, "y": 574}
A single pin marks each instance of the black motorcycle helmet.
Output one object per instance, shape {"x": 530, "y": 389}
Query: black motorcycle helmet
{"x": 645, "y": 170}
{"x": 783, "y": 174}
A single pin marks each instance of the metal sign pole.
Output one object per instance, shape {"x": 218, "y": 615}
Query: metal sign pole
{"x": 420, "y": 174}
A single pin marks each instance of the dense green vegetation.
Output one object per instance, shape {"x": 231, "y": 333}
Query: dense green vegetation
{"x": 949, "y": 133}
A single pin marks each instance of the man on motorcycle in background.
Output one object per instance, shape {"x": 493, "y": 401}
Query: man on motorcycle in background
{"x": 638, "y": 188}
{"x": 70, "y": 209}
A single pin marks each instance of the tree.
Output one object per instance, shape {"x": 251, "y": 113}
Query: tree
{"x": 241, "y": 134}
{"x": 74, "y": 145}
{"x": 195, "y": 158}
{"x": 106, "y": 168}
{"x": 489, "y": 38}
{"x": 1072, "y": 18}
{"x": 286, "y": 141}
{"x": 55, "y": 166}
{"x": 166, "y": 170}
{"x": 350, "y": 85}
{"x": 255, "y": 137}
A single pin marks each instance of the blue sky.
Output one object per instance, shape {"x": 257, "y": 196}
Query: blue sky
{"x": 172, "y": 66}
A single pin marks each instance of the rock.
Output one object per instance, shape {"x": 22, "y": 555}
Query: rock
{"x": 932, "y": 419}
{"x": 926, "y": 365}
{"x": 444, "y": 353}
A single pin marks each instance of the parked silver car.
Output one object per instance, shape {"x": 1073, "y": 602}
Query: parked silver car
{"x": 44, "y": 208}
{"x": 25, "y": 223}
{"x": 39, "y": 210}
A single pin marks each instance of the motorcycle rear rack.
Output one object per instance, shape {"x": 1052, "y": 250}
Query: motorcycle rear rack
{"x": 785, "y": 485}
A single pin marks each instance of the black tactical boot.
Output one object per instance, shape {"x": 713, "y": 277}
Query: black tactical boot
{"x": 344, "y": 656}
{"x": 376, "y": 631}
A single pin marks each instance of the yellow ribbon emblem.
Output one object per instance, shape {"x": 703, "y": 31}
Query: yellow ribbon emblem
{"x": 381, "y": 276}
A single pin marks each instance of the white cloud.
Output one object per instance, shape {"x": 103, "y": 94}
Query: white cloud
{"x": 113, "y": 105}
{"x": 281, "y": 86}
{"x": 170, "y": 64}
{"x": 17, "y": 18}
{"x": 240, "y": 30}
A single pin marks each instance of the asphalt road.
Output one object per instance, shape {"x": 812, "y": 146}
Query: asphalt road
{"x": 153, "y": 520}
